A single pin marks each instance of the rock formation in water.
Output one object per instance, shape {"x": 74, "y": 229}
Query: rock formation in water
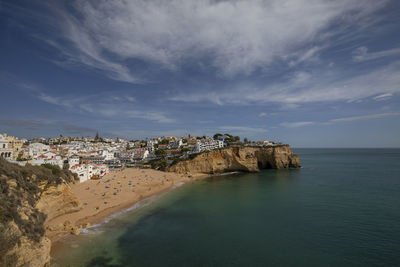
{"x": 29, "y": 195}
{"x": 239, "y": 158}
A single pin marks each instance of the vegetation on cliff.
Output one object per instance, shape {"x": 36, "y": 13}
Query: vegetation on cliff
{"x": 21, "y": 188}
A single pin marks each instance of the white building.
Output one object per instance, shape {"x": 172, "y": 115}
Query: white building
{"x": 174, "y": 144}
{"x": 208, "y": 144}
{"x": 87, "y": 171}
{"x": 265, "y": 143}
{"x": 108, "y": 155}
{"x": 37, "y": 149}
{"x": 49, "y": 158}
{"x": 84, "y": 171}
{"x": 140, "y": 153}
{"x": 73, "y": 160}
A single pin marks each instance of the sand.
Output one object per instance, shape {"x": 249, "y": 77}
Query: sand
{"x": 118, "y": 190}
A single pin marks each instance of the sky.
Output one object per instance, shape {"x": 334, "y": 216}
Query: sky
{"x": 311, "y": 73}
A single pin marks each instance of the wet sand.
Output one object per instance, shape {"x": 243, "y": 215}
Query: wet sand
{"x": 116, "y": 191}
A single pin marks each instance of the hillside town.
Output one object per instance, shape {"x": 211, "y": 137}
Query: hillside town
{"x": 94, "y": 157}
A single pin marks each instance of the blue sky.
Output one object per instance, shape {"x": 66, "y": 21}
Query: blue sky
{"x": 311, "y": 73}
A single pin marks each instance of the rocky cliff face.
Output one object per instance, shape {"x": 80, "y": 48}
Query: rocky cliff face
{"x": 248, "y": 159}
{"x": 25, "y": 252}
{"x": 28, "y": 195}
{"x": 58, "y": 200}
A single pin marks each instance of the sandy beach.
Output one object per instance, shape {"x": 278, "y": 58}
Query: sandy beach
{"x": 116, "y": 191}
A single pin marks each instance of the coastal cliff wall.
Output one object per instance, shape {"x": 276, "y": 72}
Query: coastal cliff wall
{"x": 58, "y": 200}
{"x": 29, "y": 195}
{"x": 244, "y": 158}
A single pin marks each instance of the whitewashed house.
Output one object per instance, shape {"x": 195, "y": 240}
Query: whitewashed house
{"x": 73, "y": 160}
{"x": 37, "y": 149}
{"x": 49, "y": 158}
{"x": 208, "y": 144}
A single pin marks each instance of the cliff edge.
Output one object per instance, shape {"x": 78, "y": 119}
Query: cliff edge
{"x": 29, "y": 195}
{"x": 240, "y": 158}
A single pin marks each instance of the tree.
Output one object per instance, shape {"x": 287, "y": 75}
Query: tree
{"x": 217, "y": 135}
{"x": 160, "y": 152}
{"x": 163, "y": 164}
{"x": 245, "y": 140}
{"x": 97, "y": 136}
{"x": 66, "y": 166}
{"x": 164, "y": 142}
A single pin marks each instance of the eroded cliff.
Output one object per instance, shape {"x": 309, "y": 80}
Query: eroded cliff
{"x": 243, "y": 158}
{"x": 28, "y": 196}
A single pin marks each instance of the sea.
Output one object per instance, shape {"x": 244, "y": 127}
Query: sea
{"x": 342, "y": 208}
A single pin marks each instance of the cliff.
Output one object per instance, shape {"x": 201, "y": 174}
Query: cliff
{"x": 243, "y": 158}
{"x": 28, "y": 196}
{"x": 58, "y": 200}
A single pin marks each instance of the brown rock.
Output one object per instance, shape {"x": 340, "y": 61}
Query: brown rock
{"x": 58, "y": 200}
{"x": 74, "y": 230}
{"x": 245, "y": 158}
{"x": 28, "y": 252}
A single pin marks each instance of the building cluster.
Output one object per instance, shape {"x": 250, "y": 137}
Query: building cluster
{"x": 92, "y": 158}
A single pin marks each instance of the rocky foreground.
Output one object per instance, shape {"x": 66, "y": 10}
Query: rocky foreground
{"x": 240, "y": 158}
{"x": 29, "y": 195}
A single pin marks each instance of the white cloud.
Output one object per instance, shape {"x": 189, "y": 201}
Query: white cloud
{"x": 49, "y": 99}
{"x": 362, "y": 54}
{"x": 242, "y": 129}
{"x": 305, "y": 88}
{"x": 112, "y": 107}
{"x": 308, "y": 55}
{"x": 366, "y": 117}
{"x": 296, "y": 124}
{"x": 262, "y": 114}
{"x": 238, "y": 36}
{"x": 382, "y": 97}
{"x": 340, "y": 120}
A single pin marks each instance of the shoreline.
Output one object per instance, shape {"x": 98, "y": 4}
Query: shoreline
{"x": 149, "y": 183}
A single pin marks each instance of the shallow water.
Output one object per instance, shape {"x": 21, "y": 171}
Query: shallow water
{"x": 341, "y": 209}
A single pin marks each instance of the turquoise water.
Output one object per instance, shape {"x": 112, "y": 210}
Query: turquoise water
{"x": 341, "y": 209}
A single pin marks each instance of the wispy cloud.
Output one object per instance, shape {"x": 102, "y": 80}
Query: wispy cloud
{"x": 241, "y": 36}
{"x": 340, "y": 120}
{"x": 366, "y": 117}
{"x": 383, "y": 97}
{"x": 27, "y": 124}
{"x": 362, "y": 54}
{"x": 325, "y": 86}
{"x": 242, "y": 128}
{"x": 104, "y": 105}
{"x": 262, "y": 114}
{"x": 61, "y": 126}
{"x": 296, "y": 124}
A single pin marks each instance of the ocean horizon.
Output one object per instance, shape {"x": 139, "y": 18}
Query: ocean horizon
{"x": 341, "y": 208}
